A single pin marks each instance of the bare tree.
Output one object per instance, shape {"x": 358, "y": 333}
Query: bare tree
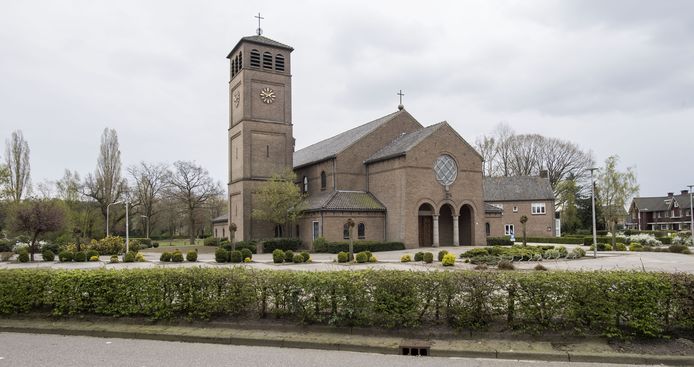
{"x": 17, "y": 162}
{"x": 563, "y": 159}
{"x": 151, "y": 179}
{"x": 486, "y": 146}
{"x": 192, "y": 187}
{"x": 69, "y": 187}
{"x": 504, "y": 136}
{"x": 107, "y": 186}
{"x": 525, "y": 154}
{"x": 36, "y": 218}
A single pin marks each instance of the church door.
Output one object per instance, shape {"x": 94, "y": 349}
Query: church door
{"x": 426, "y": 231}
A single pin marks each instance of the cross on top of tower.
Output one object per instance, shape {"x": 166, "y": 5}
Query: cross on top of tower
{"x": 259, "y": 31}
{"x": 400, "y": 106}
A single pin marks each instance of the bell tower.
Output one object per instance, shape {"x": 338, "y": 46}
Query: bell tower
{"x": 261, "y": 141}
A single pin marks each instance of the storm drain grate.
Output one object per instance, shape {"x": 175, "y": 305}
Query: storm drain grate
{"x": 414, "y": 350}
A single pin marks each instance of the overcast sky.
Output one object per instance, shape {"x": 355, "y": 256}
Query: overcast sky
{"x": 616, "y": 77}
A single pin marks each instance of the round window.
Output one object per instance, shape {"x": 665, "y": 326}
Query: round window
{"x": 446, "y": 170}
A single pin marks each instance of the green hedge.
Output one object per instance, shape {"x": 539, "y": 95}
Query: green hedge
{"x": 587, "y": 241}
{"x": 499, "y": 241}
{"x": 359, "y": 246}
{"x": 283, "y": 244}
{"x": 555, "y": 240}
{"x": 606, "y": 303}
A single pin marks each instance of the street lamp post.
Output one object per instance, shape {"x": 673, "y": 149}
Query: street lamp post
{"x": 592, "y": 196}
{"x": 691, "y": 210}
{"x": 146, "y": 217}
{"x": 107, "y": 208}
{"x": 127, "y": 228}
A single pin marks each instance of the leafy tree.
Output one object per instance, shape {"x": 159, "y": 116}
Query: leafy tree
{"x": 37, "y": 218}
{"x": 279, "y": 200}
{"x": 569, "y": 193}
{"x": 17, "y": 164}
{"x": 192, "y": 187}
{"x": 616, "y": 189}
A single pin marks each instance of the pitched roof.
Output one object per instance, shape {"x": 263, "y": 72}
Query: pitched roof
{"x": 330, "y": 147}
{"x": 402, "y": 144}
{"x": 221, "y": 219}
{"x": 659, "y": 203}
{"x": 355, "y": 201}
{"x": 489, "y": 208}
{"x": 517, "y": 188}
{"x": 260, "y": 40}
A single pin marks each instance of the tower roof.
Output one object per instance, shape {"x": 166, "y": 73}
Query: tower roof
{"x": 260, "y": 40}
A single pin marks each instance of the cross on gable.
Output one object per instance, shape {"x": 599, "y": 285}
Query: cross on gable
{"x": 259, "y": 30}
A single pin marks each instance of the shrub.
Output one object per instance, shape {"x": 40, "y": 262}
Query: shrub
{"x": 235, "y": 256}
{"x": 587, "y": 241}
{"x": 540, "y": 267}
{"x": 282, "y": 244}
{"x": 94, "y": 258}
{"x": 635, "y": 246}
{"x": 298, "y": 259}
{"x": 48, "y": 255}
{"x": 678, "y": 249}
{"x": 23, "y": 255}
{"x": 576, "y": 253}
{"x": 140, "y": 257}
{"x": 288, "y": 256}
{"x": 249, "y": 245}
{"x": 481, "y": 266}
{"x": 306, "y": 256}
{"x": 165, "y": 257}
{"x": 80, "y": 257}
{"x": 448, "y": 260}
{"x": 665, "y": 240}
{"x": 644, "y": 239}
{"x": 5, "y": 245}
{"x": 428, "y": 257}
{"x": 53, "y": 247}
{"x": 278, "y": 256}
{"x": 474, "y": 252}
{"x": 65, "y": 256}
{"x": 362, "y": 257}
{"x": 91, "y": 253}
{"x": 112, "y": 245}
{"x": 419, "y": 256}
{"x": 373, "y": 259}
{"x": 247, "y": 260}
{"x": 114, "y": 259}
{"x": 505, "y": 265}
{"x": 556, "y": 240}
{"x": 211, "y": 241}
{"x": 221, "y": 255}
{"x": 320, "y": 244}
{"x": 192, "y": 256}
{"x": 177, "y": 256}
{"x": 405, "y": 258}
{"x": 342, "y": 257}
{"x": 498, "y": 241}
{"x": 359, "y": 246}
{"x": 155, "y": 244}
{"x": 442, "y": 253}
{"x": 134, "y": 245}
{"x": 551, "y": 254}
{"x": 620, "y": 246}
{"x": 129, "y": 257}
{"x": 246, "y": 253}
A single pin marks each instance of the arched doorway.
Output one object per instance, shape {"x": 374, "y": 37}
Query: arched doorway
{"x": 425, "y": 225}
{"x": 467, "y": 225}
{"x": 446, "y": 225}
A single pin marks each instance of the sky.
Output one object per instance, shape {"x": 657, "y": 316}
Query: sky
{"x": 615, "y": 77}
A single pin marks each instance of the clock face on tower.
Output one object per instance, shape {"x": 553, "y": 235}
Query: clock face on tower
{"x": 267, "y": 95}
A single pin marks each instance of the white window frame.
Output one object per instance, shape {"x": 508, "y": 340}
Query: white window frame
{"x": 515, "y": 209}
{"x": 315, "y": 229}
{"x": 538, "y": 208}
{"x": 509, "y": 229}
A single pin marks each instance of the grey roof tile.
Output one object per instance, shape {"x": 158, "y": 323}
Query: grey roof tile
{"x": 517, "y": 188}
{"x": 659, "y": 204}
{"x": 222, "y": 218}
{"x": 403, "y": 144}
{"x": 489, "y": 208}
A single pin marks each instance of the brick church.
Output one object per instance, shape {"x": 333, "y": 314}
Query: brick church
{"x": 397, "y": 179}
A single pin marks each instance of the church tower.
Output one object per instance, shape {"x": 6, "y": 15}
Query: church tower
{"x": 261, "y": 142}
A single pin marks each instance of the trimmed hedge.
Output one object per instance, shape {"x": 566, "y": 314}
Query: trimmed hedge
{"x": 618, "y": 304}
{"x": 498, "y": 241}
{"x": 283, "y": 244}
{"x": 587, "y": 241}
{"x": 359, "y": 246}
{"x": 554, "y": 240}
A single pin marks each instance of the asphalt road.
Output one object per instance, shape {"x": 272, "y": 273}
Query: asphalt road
{"x": 20, "y": 350}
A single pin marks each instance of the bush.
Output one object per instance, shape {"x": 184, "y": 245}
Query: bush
{"x": 620, "y": 247}
{"x": 481, "y": 266}
{"x": 114, "y": 259}
{"x": 419, "y": 256}
{"x": 221, "y": 255}
{"x": 405, "y": 258}
{"x": 474, "y": 252}
{"x": 246, "y": 253}
{"x": 211, "y": 241}
{"x": 320, "y": 244}
{"x": 112, "y": 245}
{"x": 165, "y": 257}
{"x": 155, "y": 244}
{"x": 306, "y": 256}
{"x": 235, "y": 256}
{"x": 665, "y": 240}
{"x": 428, "y": 257}
{"x": 498, "y": 241}
{"x": 278, "y": 256}
{"x": 342, "y": 257}
{"x": 373, "y": 259}
{"x": 23, "y": 256}
{"x": 635, "y": 246}
{"x": 282, "y": 244}
{"x": 249, "y": 245}
{"x": 576, "y": 253}
{"x": 644, "y": 239}
{"x": 505, "y": 265}
{"x": 129, "y": 257}
{"x": 587, "y": 241}
{"x": 80, "y": 257}
{"x": 540, "y": 267}
{"x": 6, "y": 245}
{"x": 65, "y": 256}
{"x": 551, "y": 254}
{"x": 288, "y": 256}
{"x": 134, "y": 245}
{"x": 92, "y": 253}
{"x": 177, "y": 256}
{"x": 448, "y": 260}
{"x": 48, "y": 255}
{"x": 362, "y": 257}
{"x": 678, "y": 249}
{"x": 192, "y": 256}
{"x": 442, "y": 253}
{"x": 94, "y": 258}
{"x": 247, "y": 260}
{"x": 53, "y": 247}
{"x": 139, "y": 257}
{"x": 359, "y": 246}
{"x": 555, "y": 240}
{"x": 298, "y": 259}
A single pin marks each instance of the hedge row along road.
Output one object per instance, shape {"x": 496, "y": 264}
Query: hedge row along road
{"x": 603, "y": 303}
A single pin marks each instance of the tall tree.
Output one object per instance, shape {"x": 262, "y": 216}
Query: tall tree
{"x": 567, "y": 201}
{"x": 107, "y": 186}
{"x": 37, "y": 218}
{"x": 192, "y": 187}
{"x": 486, "y": 146}
{"x": 279, "y": 200}
{"x": 151, "y": 179}
{"x": 17, "y": 162}
{"x": 616, "y": 189}
{"x": 69, "y": 186}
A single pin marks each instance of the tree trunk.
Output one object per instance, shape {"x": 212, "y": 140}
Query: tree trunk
{"x": 191, "y": 231}
{"x": 614, "y": 234}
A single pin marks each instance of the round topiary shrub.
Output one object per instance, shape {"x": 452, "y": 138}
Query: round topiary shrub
{"x": 129, "y": 257}
{"x": 306, "y": 256}
{"x": 620, "y": 246}
{"x": 298, "y": 259}
{"x": 247, "y": 260}
{"x": 342, "y": 257}
{"x": 428, "y": 257}
{"x": 372, "y": 259}
{"x": 94, "y": 259}
{"x": 419, "y": 256}
{"x": 92, "y": 253}
{"x": 246, "y": 254}
{"x": 235, "y": 256}
{"x": 155, "y": 244}
{"x": 23, "y": 256}
{"x": 177, "y": 257}
{"x": 114, "y": 259}
{"x": 65, "y": 256}
{"x": 289, "y": 256}
{"x": 192, "y": 256}
{"x": 80, "y": 257}
{"x": 221, "y": 255}
{"x": 165, "y": 257}
{"x": 506, "y": 265}
{"x": 140, "y": 258}
{"x": 448, "y": 260}
{"x": 48, "y": 255}
{"x": 278, "y": 256}
{"x": 362, "y": 257}
{"x": 405, "y": 258}
{"x": 442, "y": 253}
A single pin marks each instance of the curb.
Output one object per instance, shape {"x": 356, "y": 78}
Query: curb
{"x": 231, "y": 336}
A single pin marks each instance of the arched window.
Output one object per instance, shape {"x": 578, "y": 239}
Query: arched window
{"x": 278, "y": 231}
{"x": 323, "y": 180}
{"x": 267, "y": 60}
{"x": 345, "y": 231}
{"x": 240, "y": 60}
{"x": 255, "y": 58}
{"x": 233, "y": 67}
{"x": 305, "y": 184}
{"x": 279, "y": 62}
{"x": 487, "y": 229}
{"x": 361, "y": 231}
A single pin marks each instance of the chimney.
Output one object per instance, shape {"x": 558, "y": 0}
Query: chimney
{"x": 544, "y": 173}
{"x": 670, "y": 194}
{"x": 685, "y": 192}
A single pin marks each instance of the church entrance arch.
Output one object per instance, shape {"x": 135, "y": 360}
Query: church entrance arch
{"x": 446, "y": 225}
{"x": 467, "y": 225}
{"x": 426, "y": 225}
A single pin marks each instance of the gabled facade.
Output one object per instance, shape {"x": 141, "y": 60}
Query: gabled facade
{"x": 671, "y": 212}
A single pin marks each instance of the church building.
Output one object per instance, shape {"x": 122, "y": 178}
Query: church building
{"x": 397, "y": 179}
